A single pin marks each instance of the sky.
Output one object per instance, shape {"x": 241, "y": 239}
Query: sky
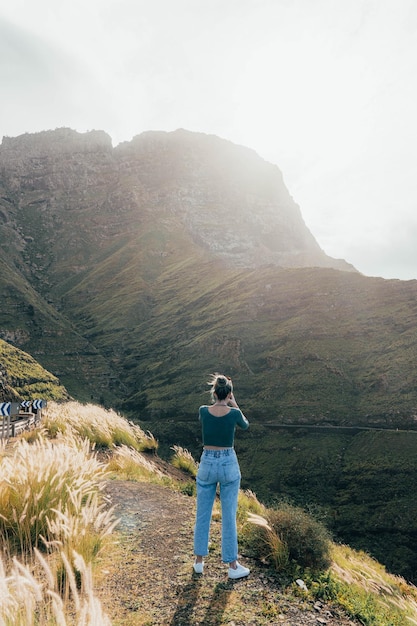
{"x": 324, "y": 89}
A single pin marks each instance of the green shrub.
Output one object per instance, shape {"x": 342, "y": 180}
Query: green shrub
{"x": 262, "y": 542}
{"x": 188, "y": 488}
{"x": 288, "y": 538}
{"x": 325, "y": 587}
{"x": 307, "y": 540}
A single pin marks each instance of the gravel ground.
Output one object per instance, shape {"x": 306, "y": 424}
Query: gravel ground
{"x": 147, "y": 579}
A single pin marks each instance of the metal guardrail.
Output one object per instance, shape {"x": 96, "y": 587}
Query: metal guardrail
{"x": 5, "y": 427}
{"x": 17, "y": 417}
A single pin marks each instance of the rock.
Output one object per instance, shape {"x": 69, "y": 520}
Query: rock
{"x": 301, "y": 584}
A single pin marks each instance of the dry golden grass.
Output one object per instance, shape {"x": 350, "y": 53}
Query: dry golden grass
{"x": 41, "y": 483}
{"x": 103, "y": 428}
{"x": 53, "y": 524}
{"x": 368, "y": 577}
{"x": 53, "y": 520}
{"x": 184, "y": 460}
{"x": 130, "y": 464}
{"x": 28, "y": 599}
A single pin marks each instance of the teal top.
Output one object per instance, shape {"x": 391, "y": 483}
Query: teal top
{"x": 220, "y": 431}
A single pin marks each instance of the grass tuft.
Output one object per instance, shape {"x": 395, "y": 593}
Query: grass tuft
{"x": 41, "y": 482}
{"x": 29, "y": 598}
{"x": 130, "y": 464}
{"x": 104, "y": 429}
{"x": 184, "y": 460}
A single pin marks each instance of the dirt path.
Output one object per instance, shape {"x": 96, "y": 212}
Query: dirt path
{"x": 147, "y": 578}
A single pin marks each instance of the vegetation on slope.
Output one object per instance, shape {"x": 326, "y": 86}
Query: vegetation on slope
{"x": 362, "y": 482}
{"x": 55, "y": 540}
{"x": 22, "y": 378}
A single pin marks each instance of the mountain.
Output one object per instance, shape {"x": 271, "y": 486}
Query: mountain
{"x": 134, "y": 272}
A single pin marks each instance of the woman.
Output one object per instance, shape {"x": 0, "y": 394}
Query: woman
{"x": 219, "y": 465}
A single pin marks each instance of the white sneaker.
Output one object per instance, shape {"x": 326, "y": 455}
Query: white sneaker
{"x": 239, "y": 572}
{"x": 198, "y": 568}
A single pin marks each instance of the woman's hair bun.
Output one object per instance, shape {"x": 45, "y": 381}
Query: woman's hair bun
{"x": 221, "y": 386}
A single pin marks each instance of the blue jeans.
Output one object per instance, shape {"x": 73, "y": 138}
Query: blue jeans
{"x": 217, "y": 467}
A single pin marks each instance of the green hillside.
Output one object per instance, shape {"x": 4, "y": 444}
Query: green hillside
{"x": 361, "y": 483}
{"x": 304, "y": 346}
{"x": 22, "y": 378}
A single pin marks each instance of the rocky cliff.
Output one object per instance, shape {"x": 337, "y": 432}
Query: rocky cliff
{"x": 230, "y": 200}
{"x": 224, "y": 197}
